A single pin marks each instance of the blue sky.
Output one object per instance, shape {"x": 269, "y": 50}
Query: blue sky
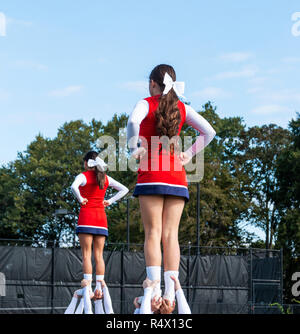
{"x": 66, "y": 60}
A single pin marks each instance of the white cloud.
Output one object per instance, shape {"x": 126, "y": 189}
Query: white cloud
{"x": 67, "y": 91}
{"x": 10, "y": 20}
{"x": 25, "y": 64}
{"x": 246, "y": 72}
{"x": 211, "y": 93}
{"x": 137, "y": 86}
{"x": 258, "y": 80}
{"x": 285, "y": 95}
{"x": 271, "y": 109}
{"x": 2, "y": 24}
{"x": 254, "y": 90}
{"x": 291, "y": 60}
{"x": 236, "y": 57}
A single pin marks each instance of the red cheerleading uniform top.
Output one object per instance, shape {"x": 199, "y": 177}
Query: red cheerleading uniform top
{"x": 92, "y": 217}
{"x": 160, "y": 171}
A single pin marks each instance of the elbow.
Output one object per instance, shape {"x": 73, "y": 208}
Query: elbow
{"x": 212, "y": 134}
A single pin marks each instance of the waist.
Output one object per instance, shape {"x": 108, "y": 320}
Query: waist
{"x": 165, "y": 161}
{"x": 92, "y": 204}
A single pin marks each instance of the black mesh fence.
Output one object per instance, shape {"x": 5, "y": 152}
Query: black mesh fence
{"x": 39, "y": 279}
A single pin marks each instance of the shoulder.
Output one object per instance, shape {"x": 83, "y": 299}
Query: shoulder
{"x": 81, "y": 175}
{"x": 191, "y": 113}
{"x": 189, "y": 108}
{"x": 152, "y": 100}
{"x": 109, "y": 180}
{"x": 80, "y": 179}
{"x": 139, "y": 112}
{"x": 142, "y": 105}
{"x": 89, "y": 175}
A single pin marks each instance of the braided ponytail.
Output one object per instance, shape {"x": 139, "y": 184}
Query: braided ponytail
{"x": 167, "y": 115}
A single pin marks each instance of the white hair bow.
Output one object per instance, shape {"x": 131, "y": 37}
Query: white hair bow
{"x": 178, "y": 86}
{"x": 98, "y": 162}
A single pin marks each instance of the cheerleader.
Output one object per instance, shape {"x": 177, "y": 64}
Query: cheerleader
{"x": 162, "y": 192}
{"x": 89, "y": 188}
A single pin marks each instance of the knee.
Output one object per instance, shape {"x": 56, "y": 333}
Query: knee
{"x": 86, "y": 256}
{"x": 169, "y": 235}
{"x": 153, "y": 232}
{"x": 98, "y": 256}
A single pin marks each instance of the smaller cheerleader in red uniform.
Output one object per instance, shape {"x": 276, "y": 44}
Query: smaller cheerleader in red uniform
{"x": 89, "y": 188}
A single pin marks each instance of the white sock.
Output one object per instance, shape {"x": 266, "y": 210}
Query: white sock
{"x": 169, "y": 284}
{"x": 98, "y": 283}
{"x": 154, "y": 273}
{"x": 89, "y": 277}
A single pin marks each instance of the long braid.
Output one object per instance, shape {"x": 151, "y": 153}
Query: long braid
{"x": 167, "y": 115}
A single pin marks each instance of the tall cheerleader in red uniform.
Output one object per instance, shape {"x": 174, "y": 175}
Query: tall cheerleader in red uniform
{"x": 162, "y": 191}
{"x": 89, "y": 188}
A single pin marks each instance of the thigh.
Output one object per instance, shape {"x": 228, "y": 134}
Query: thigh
{"x": 172, "y": 211}
{"x": 86, "y": 241}
{"x": 151, "y": 210}
{"x": 98, "y": 243}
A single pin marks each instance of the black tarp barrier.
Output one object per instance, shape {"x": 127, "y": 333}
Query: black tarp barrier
{"x": 43, "y": 280}
{"x": 266, "y": 282}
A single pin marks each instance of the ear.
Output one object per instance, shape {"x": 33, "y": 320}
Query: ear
{"x": 152, "y": 84}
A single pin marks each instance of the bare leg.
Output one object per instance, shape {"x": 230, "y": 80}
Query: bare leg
{"x": 173, "y": 207}
{"x": 86, "y": 241}
{"x": 99, "y": 242}
{"x": 172, "y": 211}
{"x": 151, "y": 212}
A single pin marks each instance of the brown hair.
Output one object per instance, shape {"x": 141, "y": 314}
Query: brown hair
{"x": 100, "y": 175}
{"x": 167, "y": 115}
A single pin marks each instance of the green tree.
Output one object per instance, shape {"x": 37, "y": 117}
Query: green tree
{"x": 11, "y": 203}
{"x": 287, "y": 198}
{"x": 222, "y": 203}
{"x": 259, "y": 149}
{"x": 38, "y": 183}
{"x": 41, "y": 179}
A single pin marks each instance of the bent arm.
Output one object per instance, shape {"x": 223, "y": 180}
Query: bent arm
{"x": 133, "y": 126}
{"x": 80, "y": 180}
{"x": 207, "y": 133}
{"x": 122, "y": 190}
